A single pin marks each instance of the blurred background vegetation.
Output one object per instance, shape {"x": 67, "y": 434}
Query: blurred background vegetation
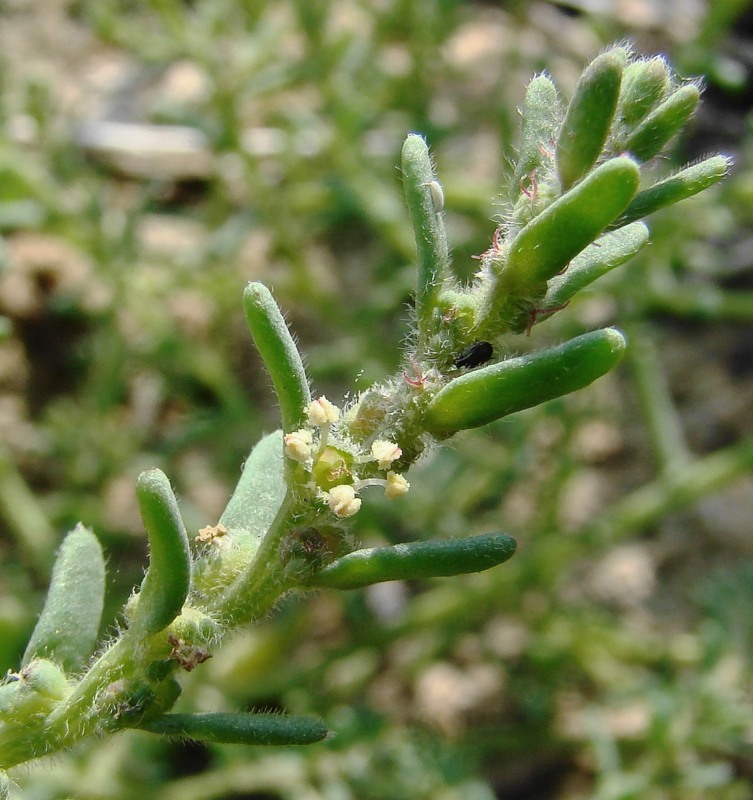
{"x": 154, "y": 157}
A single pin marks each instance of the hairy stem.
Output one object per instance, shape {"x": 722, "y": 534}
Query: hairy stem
{"x": 259, "y": 586}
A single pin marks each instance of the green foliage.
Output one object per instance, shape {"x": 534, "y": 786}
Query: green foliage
{"x": 68, "y": 626}
{"x": 426, "y": 214}
{"x": 269, "y": 729}
{"x": 259, "y": 492}
{"x": 37, "y": 690}
{"x": 663, "y": 123}
{"x": 681, "y": 185}
{"x": 488, "y": 394}
{"x": 337, "y": 239}
{"x": 645, "y": 84}
{"x": 330, "y": 458}
{"x": 168, "y": 578}
{"x": 554, "y": 237}
{"x": 281, "y": 357}
{"x": 589, "y": 117}
{"x": 541, "y": 120}
{"x": 613, "y": 250}
{"x": 415, "y": 560}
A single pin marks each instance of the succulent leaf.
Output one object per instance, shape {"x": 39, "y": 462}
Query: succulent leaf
{"x": 421, "y": 195}
{"x": 279, "y": 353}
{"x": 67, "y": 629}
{"x": 228, "y": 728}
{"x": 589, "y": 116}
{"x": 414, "y": 560}
{"x": 538, "y": 136}
{"x": 645, "y": 84}
{"x": 167, "y": 581}
{"x": 260, "y": 490}
{"x": 493, "y": 392}
{"x": 607, "y": 252}
{"x": 663, "y": 123}
{"x": 547, "y": 244}
{"x": 683, "y": 184}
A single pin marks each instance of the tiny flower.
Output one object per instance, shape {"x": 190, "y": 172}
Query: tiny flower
{"x": 330, "y": 468}
{"x": 396, "y": 486}
{"x": 298, "y": 445}
{"x": 343, "y": 501}
{"x": 385, "y": 453}
{"x": 321, "y": 412}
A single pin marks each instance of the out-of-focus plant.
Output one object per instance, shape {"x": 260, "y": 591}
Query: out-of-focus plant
{"x": 575, "y": 208}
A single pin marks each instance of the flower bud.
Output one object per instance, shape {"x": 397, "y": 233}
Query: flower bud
{"x": 396, "y": 486}
{"x": 298, "y": 445}
{"x": 343, "y": 501}
{"x": 322, "y": 412}
{"x": 385, "y": 453}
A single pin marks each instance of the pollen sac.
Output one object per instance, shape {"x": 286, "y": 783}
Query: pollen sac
{"x": 298, "y": 445}
{"x": 343, "y": 501}
{"x": 385, "y": 453}
{"x": 474, "y": 355}
{"x": 396, "y": 486}
{"x": 321, "y": 412}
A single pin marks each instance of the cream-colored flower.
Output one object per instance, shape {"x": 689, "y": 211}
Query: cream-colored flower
{"x": 385, "y": 453}
{"x": 321, "y": 412}
{"x": 343, "y": 501}
{"x": 396, "y": 486}
{"x": 298, "y": 445}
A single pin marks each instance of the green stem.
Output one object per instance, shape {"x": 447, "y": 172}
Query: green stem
{"x": 706, "y": 303}
{"x": 77, "y": 716}
{"x": 668, "y": 493}
{"x": 663, "y": 422}
{"x": 259, "y": 586}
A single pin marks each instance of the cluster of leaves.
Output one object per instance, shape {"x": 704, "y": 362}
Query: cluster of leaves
{"x": 163, "y": 381}
{"x": 577, "y": 197}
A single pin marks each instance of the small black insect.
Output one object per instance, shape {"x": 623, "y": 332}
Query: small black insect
{"x": 474, "y": 355}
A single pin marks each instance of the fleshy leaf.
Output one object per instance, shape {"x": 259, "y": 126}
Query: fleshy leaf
{"x": 414, "y": 560}
{"x": 540, "y": 121}
{"x": 67, "y": 629}
{"x": 165, "y": 586}
{"x": 259, "y": 492}
{"x": 589, "y": 116}
{"x": 680, "y": 186}
{"x": 228, "y": 728}
{"x": 663, "y": 123}
{"x": 422, "y": 193}
{"x": 645, "y": 84}
{"x": 279, "y": 353}
{"x": 493, "y": 392}
{"x": 37, "y": 689}
{"x": 559, "y": 233}
{"x": 606, "y": 253}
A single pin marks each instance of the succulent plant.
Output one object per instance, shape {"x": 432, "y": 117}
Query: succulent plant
{"x": 576, "y": 200}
